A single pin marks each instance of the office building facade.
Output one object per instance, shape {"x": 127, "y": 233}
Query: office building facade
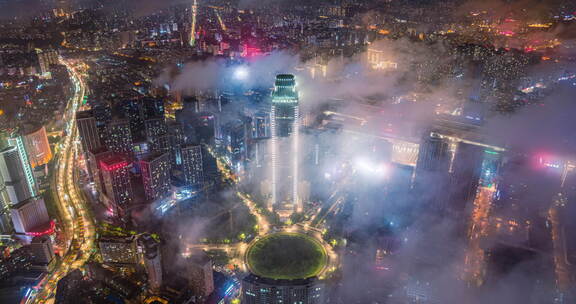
{"x": 155, "y": 172}
{"x": 192, "y": 165}
{"x": 116, "y": 181}
{"x": 18, "y": 185}
{"x": 37, "y": 147}
{"x": 119, "y": 137}
{"x": 257, "y": 290}
{"x": 42, "y": 250}
{"x": 118, "y": 251}
{"x": 88, "y": 130}
{"x": 30, "y": 216}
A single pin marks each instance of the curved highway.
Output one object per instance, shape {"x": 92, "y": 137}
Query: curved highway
{"x": 79, "y": 230}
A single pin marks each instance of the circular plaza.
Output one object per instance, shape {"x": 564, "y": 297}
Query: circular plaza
{"x": 286, "y": 256}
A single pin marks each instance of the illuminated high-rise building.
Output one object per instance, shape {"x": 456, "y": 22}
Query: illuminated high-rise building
{"x": 157, "y": 135}
{"x": 116, "y": 181}
{"x": 156, "y": 175}
{"x": 465, "y": 176}
{"x": 379, "y": 60}
{"x": 192, "y": 165}
{"x": 235, "y": 142}
{"x": 30, "y": 218}
{"x": 260, "y": 125}
{"x": 37, "y": 147}
{"x": 284, "y": 146}
{"x": 94, "y": 158}
{"x": 5, "y": 221}
{"x": 155, "y": 127}
{"x": 433, "y": 167}
{"x": 176, "y": 135}
{"x": 42, "y": 249}
{"x": 103, "y": 115}
{"x": 18, "y": 182}
{"x": 193, "y": 12}
{"x": 19, "y": 142}
{"x": 198, "y": 271}
{"x": 257, "y": 290}
{"x": 119, "y": 138}
{"x": 45, "y": 59}
{"x": 152, "y": 257}
{"x": 88, "y": 129}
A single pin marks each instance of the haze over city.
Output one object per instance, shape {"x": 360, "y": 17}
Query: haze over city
{"x": 275, "y": 151}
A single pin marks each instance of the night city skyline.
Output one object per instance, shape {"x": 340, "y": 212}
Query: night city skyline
{"x": 288, "y": 151}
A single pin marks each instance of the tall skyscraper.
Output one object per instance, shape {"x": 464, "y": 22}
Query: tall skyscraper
{"x": 37, "y": 147}
{"x": 152, "y": 260}
{"x": 206, "y": 127}
{"x": 42, "y": 250}
{"x": 194, "y": 12}
{"x": 433, "y": 155}
{"x": 119, "y": 137}
{"x": 94, "y": 158}
{"x": 29, "y": 217}
{"x": 156, "y": 175}
{"x": 157, "y": 135}
{"x": 5, "y": 221}
{"x": 400, "y": 181}
{"x": 161, "y": 144}
{"x": 155, "y": 127}
{"x": 103, "y": 115}
{"x": 116, "y": 180}
{"x": 192, "y": 165}
{"x": 465, "y": 175}
{"x": 87, "y": 127}
{"x": 152, "y": 108}
{"x": 131, "y": 110}
{"x": 235, "y": 138}
{"x": 284, "y": 146}
{"x": 260, "y": 125}
{"x": 18, "y": 184}
{"x": 199, "y": 273}
{"x": 176, "y": 133}
{"x": 433, "y": 167}
{"x": 18, "y": 142}
{"x": 137, "y": 111}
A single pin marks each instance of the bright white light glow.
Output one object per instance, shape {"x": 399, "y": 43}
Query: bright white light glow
{"x": 241, "y": 73}
{"x": 367, "y": 166}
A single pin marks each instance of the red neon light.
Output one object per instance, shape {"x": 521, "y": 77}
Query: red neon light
{"x": 115, "y": 166}
{"x": 45, "y": 232}
{"x": 251, "y": 51}
{"x": 507, "y": 33}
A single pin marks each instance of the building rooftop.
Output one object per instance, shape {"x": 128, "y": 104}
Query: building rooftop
{"x": 254, "y": 279}
{"x": 114, "y": 162}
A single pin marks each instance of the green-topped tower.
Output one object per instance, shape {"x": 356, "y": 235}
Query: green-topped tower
{"x": 284, "y": 146}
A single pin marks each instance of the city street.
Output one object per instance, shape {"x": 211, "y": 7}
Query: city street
{"x": 77, "y": 224}
{"x": 474, "y": 264}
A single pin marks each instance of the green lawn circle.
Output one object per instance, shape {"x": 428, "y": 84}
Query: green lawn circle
{"x": 286, "y": 256}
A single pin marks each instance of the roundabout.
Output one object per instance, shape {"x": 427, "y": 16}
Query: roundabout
{"x": 286, "y": 256}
